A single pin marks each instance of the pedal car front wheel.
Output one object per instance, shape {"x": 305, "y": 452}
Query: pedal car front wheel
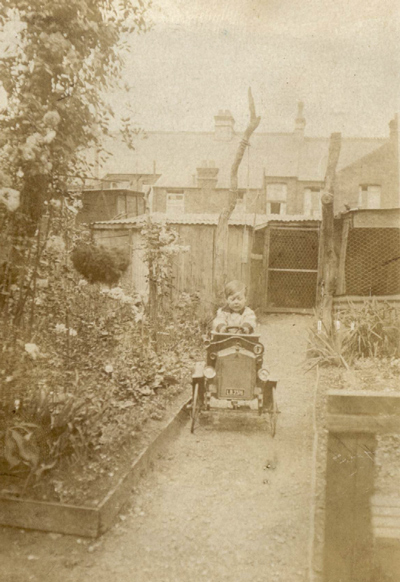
{"x": 194, "y": 413}
{"x": 273, "y": 414}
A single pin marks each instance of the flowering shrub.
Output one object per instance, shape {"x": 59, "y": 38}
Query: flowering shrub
{"x": 80, "y": 370}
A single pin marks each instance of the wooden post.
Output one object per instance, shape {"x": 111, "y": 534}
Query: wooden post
{"x": 327, "y": 257}
{"x": 341, "y": 279}
{"x": 221, "y": 235}
{"x": 265, "y": 268}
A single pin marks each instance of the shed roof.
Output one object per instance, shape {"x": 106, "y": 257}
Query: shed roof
{"x": 237, "y": 219}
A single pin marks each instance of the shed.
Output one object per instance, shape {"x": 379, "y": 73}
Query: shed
{"x": 369, "y": 262}
{"x": 101, "y": 203}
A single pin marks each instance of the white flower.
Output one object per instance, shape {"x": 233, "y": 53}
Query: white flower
{"x": 72, "y": 332}
{"x": 10, "y": 198}
{"x": 52, "y": 119}
{"x": 34, "y": 139}
{"x": 109, "y": 369}
{"x": 71, "y": 208}
{"x": 60, "y": 328}
{"x": 82, "y": 282}
{"x": 32, "y": 350}
{"x": 48, "y": 138}
{"x": 56, "y": 244}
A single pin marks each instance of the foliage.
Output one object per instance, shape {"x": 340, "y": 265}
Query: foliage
{"x": 371, "y": 330}
{"x": 160, "y": 245}
{"x": 80, "y": 371}
{"x": 91, "y": 385}
{"x": 99, "y": 264}
{"x": 325, "y": 348}
{"x": 57, "y": 60}
{"x": 374, "y": 330}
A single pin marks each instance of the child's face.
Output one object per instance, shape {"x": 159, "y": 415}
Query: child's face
{"x": 236, "y": 302}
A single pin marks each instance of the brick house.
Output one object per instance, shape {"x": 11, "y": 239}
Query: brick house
{"x": 281, "y": 173}
{"x": 187, "y": 174}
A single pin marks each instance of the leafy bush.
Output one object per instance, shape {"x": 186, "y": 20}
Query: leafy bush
{"x": 99, "y": 264}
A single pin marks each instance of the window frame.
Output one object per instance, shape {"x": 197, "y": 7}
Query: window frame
{"x": 313, "y": 192}
{"x": 178, "y": 209}
{"x": 365, "y": 192}
{"x": 281, "y": 200}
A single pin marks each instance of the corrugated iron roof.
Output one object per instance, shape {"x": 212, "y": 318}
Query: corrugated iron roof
{"x": 255, "y": 220}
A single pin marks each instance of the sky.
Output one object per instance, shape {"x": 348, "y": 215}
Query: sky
{"x": 340, "y": 57}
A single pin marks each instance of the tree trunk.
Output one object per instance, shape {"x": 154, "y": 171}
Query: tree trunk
{"x": 327, "y": 258}
{"x": 221, "y": 235}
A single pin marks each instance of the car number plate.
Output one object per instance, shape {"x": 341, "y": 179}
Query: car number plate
{"x": 234, "y": 392}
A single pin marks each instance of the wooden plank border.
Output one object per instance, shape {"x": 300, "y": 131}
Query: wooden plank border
{"x": 363, "y": 411}
{"x": 86, "y": 521}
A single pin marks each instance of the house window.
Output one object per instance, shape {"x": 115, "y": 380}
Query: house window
{"x": 175, "y": 202}
{"x": 312, "y": 202}
{"x": 369, "y": 196}
{"x": 276, "y": 198}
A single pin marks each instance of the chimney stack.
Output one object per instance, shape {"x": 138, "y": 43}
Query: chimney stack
{"x": 300, "y": 122}
{"x": 207, "y": 175}
{"x": 224, "y": 123}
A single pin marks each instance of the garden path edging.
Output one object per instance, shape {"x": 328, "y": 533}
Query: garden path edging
{"x": 88, "y": 521}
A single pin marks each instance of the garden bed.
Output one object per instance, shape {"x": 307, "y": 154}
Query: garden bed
{"x": 96, "y": 512}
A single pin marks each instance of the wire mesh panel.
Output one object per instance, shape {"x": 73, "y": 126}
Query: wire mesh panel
{"x": 373, "y": 261}
{"x": 292, "y": 268}
{"x": 293, "y": 249}
{"x": 292, "y": 290}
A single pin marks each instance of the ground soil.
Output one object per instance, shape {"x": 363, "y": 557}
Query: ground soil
{"x": 220, "y": 505}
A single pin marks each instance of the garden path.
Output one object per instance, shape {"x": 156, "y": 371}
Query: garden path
{"x": 212, "y": 510}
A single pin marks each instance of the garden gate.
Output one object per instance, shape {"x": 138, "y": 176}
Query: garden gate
{"x": 291, "y": 256}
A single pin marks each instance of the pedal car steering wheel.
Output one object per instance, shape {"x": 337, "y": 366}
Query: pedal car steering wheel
{"x": 235, "y": 329}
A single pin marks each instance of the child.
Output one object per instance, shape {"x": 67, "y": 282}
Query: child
{"x": 235, "y": 313}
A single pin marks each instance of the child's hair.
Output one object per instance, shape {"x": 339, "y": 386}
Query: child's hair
{"x": 234, "y": 287}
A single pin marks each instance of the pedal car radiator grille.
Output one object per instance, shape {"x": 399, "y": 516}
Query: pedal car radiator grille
{"x": 236, "y": 374}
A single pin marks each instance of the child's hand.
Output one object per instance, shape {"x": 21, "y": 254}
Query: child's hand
{"x": 247, "y": 328}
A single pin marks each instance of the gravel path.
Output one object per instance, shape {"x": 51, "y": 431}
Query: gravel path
{"x": 221, "y": 505}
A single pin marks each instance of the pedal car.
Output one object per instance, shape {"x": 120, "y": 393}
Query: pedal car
{"x": 233, "y": 378}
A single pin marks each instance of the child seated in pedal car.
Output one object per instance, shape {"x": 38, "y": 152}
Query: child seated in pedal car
{"x": 235, "y": 313}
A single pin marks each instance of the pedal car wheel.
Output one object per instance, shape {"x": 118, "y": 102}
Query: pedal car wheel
{"x": 195, "y": 407}
{"x": 273, "y": 414}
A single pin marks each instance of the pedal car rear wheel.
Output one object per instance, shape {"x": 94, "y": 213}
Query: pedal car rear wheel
{"x": 273, "y": 414}
{"x": 194, "y": 413}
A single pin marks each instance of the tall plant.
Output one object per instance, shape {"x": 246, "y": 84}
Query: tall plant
{"x": 57, "y": 60}
{"x": 160, "y": 244}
